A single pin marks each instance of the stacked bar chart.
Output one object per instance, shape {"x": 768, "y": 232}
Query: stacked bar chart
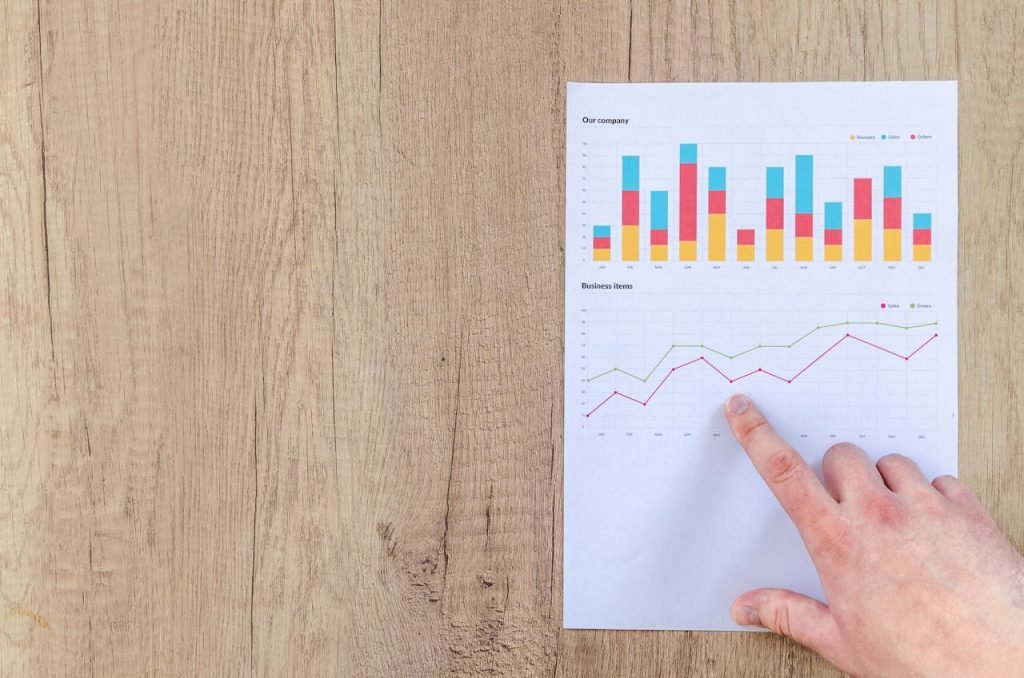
{"x": 922, "y": 236}
{"x": 833, "y": 231}
{"x": 804, "y": 207}
{"x": 630, "y": 208}
{"x": 687, "y": 202}
{"x": 602, "y": 242}
{"x": 745, "y": 244}
{"x": 691, "y": 217}
{"x": 862, "y": 219}
{"x": 716, "y": 214}
{"x": 659, "y": 225}
{"x": 774, "y": 209}
{"x": 892, "y": 222}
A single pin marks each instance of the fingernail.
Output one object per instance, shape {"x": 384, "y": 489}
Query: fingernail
{"x": 738, "y": 404}
{"x": 749, "y": 616}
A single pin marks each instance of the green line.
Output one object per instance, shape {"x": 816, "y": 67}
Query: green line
{"x": 753, "y": 348}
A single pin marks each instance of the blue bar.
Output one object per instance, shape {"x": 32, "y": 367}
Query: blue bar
{"x": 687, "y": 154}
{"x": 631, "y": 172}
{"x": 773, "y": 182}
{"x": 892, "y": 181}
{"x": 804, "y": 184}
{"x": 716, "y": 178}
{"x": 922, "y": 221}
{"x": 602, "y": 231}
{"x": 659, "y": 210}
{"x": 833, "y": 216}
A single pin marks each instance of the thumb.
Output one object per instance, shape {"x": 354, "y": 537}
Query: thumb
{"x": 794, "y": 615}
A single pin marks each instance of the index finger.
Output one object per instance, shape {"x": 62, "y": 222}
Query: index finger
{"x": 785, "y": 472}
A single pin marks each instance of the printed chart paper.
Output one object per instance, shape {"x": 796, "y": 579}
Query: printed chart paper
{"x": 792, "y": 241}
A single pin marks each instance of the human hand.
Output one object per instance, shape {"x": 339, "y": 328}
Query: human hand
{"x": 918, "y": 578}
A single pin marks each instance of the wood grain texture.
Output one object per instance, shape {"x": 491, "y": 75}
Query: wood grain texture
{"x": 282, "y": 337}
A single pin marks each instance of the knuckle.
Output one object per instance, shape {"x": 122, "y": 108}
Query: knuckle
{"x": 840, "y": 453}
{"x": 885, "y": 510}
{"x": 783, "y": 465}
{"x": 749, "y": 429}
{"x": 781, "y": 622}
{"x": 894, "y": 461}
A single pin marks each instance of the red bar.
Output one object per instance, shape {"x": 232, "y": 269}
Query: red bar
{"x": 833, "y": 236}
{"x": 773, "y": 212}
{"x": 631, "y": 208}
{"x": 892, "y": 209}
{"x": 688, "y": 202}
{"x": 804, "y": 225}
{"x": 922, "y": 237}
{"x": 659, "y": 237}
{"x": 745, "y": 236}
{"x": 862, "y": 198}
{"x": 602, "y": 243}
{"x": 716, "y": 202}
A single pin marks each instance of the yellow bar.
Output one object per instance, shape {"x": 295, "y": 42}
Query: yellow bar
{"x": 602, "y": 255}
{"x": 892, "y": 244}
{"x": 688, "y": 250}
{"x": 716, "y": 237}
{"x": 630, "y": 243}
{"x": 774, "y": 244}
{"x": 659, "y": 252}
{"x": 922, "y": 252}
{"x": 862, "y": 239}
{"x": 833, "y": 252}
{"x": 804, "y": 249}
{"x": 745, "y": 252}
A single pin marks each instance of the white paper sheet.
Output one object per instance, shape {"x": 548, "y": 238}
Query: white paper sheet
{"x": 666, "y": 522}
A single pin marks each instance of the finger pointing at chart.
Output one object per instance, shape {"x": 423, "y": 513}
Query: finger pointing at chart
{"x": 785, "y": 472}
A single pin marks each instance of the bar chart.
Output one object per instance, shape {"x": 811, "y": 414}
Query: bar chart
{"x": 816, "y": 224}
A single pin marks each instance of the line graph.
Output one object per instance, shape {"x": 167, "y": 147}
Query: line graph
{"x": 732, "y": 356}
{"x": 759, "y": 370}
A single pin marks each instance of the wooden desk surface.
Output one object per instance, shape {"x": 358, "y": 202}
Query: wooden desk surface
{"x": 282, "y": 319}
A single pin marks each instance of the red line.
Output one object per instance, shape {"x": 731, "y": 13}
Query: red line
{"x": 762, "y": 371}
{"x": 923, "y": 345}
{"x": 610, "y": 396}
{"x": 808, "y": 365}
{"x": 688, "y": 362}
{"x": 877, "y": 346}
{"x": 667, "y": 375}
{"x": 724, "y": 375}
